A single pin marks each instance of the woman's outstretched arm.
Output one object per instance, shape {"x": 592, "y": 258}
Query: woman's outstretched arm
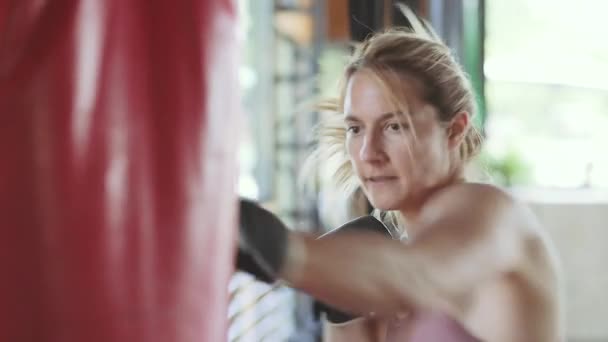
{"x": 469, "y": 234}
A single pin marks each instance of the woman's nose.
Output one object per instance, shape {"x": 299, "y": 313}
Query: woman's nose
{"x": 371, "y": 150}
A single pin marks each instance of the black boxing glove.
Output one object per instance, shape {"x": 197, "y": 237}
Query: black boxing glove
{"x": 262, "y": 242}
{"x": 262, "y": 246}
{"x": 364, "y": 223}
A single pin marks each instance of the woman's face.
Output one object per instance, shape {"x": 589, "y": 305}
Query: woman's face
{"x": 398, "y": 164}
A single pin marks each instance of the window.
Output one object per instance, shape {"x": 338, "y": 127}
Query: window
{"x": 546, "y": 68}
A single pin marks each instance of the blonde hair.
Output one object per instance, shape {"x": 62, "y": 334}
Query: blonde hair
{"x": 393, "y": 56}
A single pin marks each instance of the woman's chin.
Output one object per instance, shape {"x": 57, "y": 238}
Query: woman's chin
{"x": 384, "y": 204}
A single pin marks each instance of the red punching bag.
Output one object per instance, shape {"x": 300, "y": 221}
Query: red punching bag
{"x": 118, "y": 166}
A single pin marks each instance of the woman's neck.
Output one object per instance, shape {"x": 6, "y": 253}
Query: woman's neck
{"x": 411, "y": 212}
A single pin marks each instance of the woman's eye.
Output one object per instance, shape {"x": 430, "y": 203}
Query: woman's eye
{"x": 396, "y": 127}
{"x": 353, "y": 129}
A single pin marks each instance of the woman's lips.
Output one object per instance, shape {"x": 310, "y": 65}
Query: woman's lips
{"x": 380, "y": 179}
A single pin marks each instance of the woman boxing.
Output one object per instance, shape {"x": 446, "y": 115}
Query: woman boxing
{"x": 470, "y": 262}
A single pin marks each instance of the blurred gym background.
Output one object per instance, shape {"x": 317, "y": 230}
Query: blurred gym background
{"x": 539, "y": 68}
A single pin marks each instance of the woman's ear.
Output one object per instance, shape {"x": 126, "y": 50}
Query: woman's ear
{"x": 457, "y": 128}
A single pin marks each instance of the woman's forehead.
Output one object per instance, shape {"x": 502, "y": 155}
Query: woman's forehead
{"x": 424, "y": 114}
{"x": 369, "y": 92}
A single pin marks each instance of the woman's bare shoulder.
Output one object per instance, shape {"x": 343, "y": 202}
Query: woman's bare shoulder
{"x": 472, "y": 199}
{"x": 511, "y": 217}
{"x": 479, "y": 209}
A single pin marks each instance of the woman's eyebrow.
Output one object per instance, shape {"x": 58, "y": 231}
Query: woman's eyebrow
{"x": 383, "y": 117}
